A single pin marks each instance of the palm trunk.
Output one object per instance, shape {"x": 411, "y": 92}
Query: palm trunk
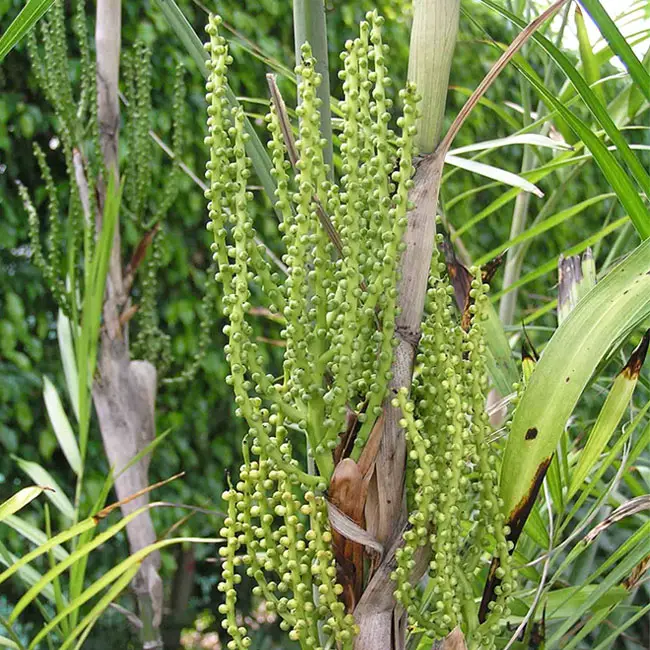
{"x": 433, "y": 38}
{"x": 124, "y": 390}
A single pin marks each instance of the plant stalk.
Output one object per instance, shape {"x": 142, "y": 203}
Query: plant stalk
{"x": 124, "y": 390}
{"x": 433, "y": 39}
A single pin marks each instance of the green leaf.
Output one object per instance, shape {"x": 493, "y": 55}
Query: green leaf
{"x": 608, "y": 641}
{"x": 33, "y": 534}
{"x": 8, "y": 643}
{"x": 561, "y": 603}
{"x": 495, "y": 173}
{"x": 609, "y": 417}
{"x": 547, "y": 224}
{"x": 589, "y": 60}
{"x": 127, "y": 567}
{"x": 66, "y": 346}
{"x": 19, "y": 500}
{"x": 44, "y": 548}
{"x": 91, "y": 618}
{"x": 551, "y": 265}
{"x": 533, "y": 176}
{"x": 61, "y": 426}
{"x": 607, "y": 314}
{"x": 42, "y": 477}
{"x": 30, "y": 14}
{"x": 79, "y": 553}
{"x": 614, "y": 578}
{"x": 611, "y": 459}
{"x": 27, "y": 574}
{"x": 619, "y": 44}
{"x": 536, "y": 528}
{"x": 498, "y": 355}
{"x": 622, "y": 185}
{"x": 93, "y": 300}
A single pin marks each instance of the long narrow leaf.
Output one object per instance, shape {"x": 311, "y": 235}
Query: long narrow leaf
{"x": 547, "y": 224}
{"x": 61, "y": 538}
{"x": 610, "y": 167}
{"x": 27, "y": 574}
{"x": 587, "y": 56}
{"x": 609, "y": 417}
{"x": 30, "y": 14}
{"x": 33, "y": 534}
{"x": 610, "y": 311}
{"x": 525, "y": 138}
{"x": 66, "y": 347}
{"x": 615, "y": 577}
{"x": 74, "y": 557}
{"x": 608, "y": 641}
{"x": 92, "y": 616}
{"x": 495, "y": 173}
{"x": 112, "y": 575}
{"x": 619, "y": 44}
{"x": 551, "y": 265}
{"x": 42, "y": 477}
{"x": 61, "y": 425}
{"x": 19, "y": 500}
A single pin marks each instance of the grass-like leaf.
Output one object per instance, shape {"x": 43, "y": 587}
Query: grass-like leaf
{"x": 609, "y": 417}
{"x": 19, "y": 500}
{"x": 129, "y": 566}
{"x": 55, "y": 494}
{"x": 608, "y": 313}
{"x": 551, "y": 265}
{"x": 620, "y": 182}
{"x": 66, "y": 347}
{"x": 33, "y": 534}
{"x": 61, "y": 426}
{"x": 547, "y": 224}
{"x": 30, "y": 14}
{"x": 495, "y": 173}
{"x": 618, "y": 44}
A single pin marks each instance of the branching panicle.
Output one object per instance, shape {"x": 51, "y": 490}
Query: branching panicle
{"x": 339, "y": 308}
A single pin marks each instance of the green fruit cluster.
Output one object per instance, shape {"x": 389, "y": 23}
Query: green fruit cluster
{"x": 455, "y": 511}
{"x": 337, "y": 301}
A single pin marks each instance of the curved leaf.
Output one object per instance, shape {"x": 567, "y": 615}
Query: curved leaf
{"x": 616, "y": 305}
{"x": 34, "y": 535}
{"x": 30, "y": 14}
{"x": 61, "y": 426}
{"x": 619, "y": 44}
{"x": 495, "y": 173}
{"x": 42, "y": 477}
{"x": 19, "y": 500}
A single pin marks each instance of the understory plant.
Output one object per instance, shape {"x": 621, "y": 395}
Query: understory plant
{"x": 338, "y": 307}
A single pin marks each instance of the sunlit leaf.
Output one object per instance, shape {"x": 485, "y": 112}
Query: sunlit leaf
{"x": 61, "y": 426}
{"x": 42, "y": 477}
{"x": 18, "y": 501}
{"x": 30, "y": 14}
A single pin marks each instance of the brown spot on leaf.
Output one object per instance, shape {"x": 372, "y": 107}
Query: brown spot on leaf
{"x": 531, "y": 434}
{"x": 637, "y": 573}
{"x": 520, "y": 513}
{"x": 516, "y": 522}
{"x": 632, "y": 368}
